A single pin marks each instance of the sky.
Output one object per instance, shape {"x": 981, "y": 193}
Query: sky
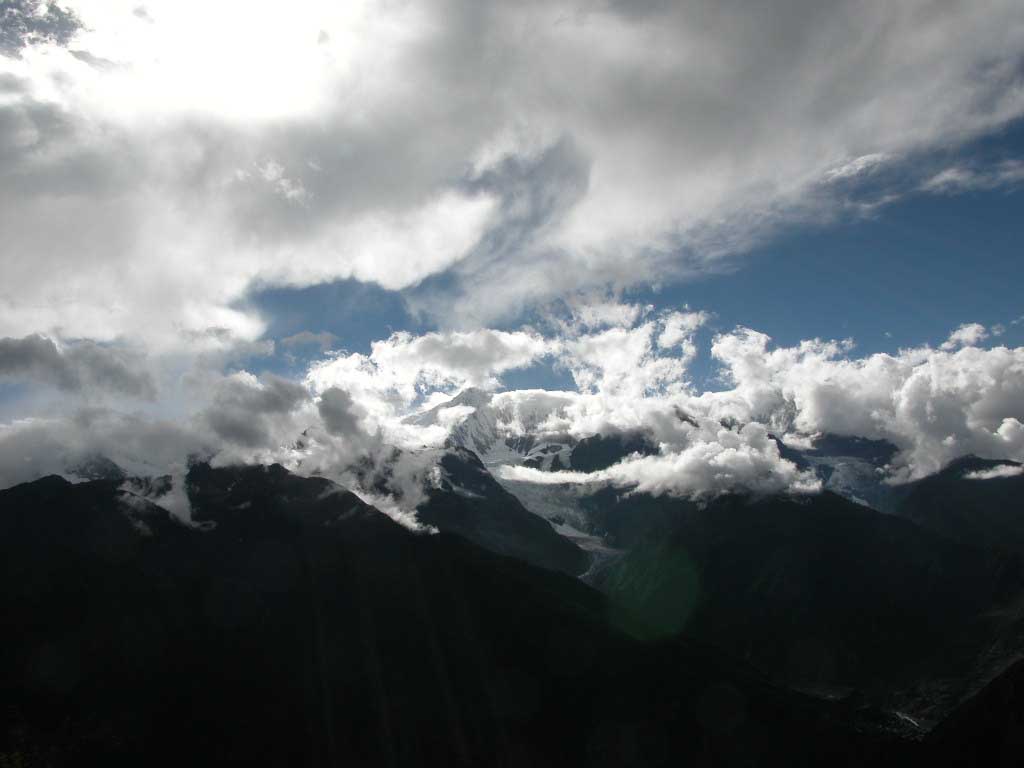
{"x": 227, "y": 223}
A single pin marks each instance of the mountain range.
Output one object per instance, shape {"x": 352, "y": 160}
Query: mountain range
{"x": 288, "y": 620}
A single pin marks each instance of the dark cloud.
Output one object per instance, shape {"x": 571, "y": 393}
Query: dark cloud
{"x": 82, "y": 367}
{"x": 93, "y": 61}
{"x": 251, "y": 411}
{"x": 340, "y": 414}
{"x": 29, "y": 22}
{"x": 12, "y": 84}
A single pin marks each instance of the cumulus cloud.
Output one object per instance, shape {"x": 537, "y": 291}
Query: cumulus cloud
{"x": 404, "y": 368}
{"x": 357, "y": 416}
{"x": 680, "y": 327}
{"x": 622, "y": 361}
{"x": 935, "y": 405}
{"x": 611, "y": 145}
{"x": 604, "y": 314}
{"x": 612, "y": 350}
{"x": 967, "y": 335}
{"x": 81, "y": 367}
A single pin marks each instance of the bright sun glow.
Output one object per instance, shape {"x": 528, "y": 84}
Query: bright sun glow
{"x": 234, "y": 60}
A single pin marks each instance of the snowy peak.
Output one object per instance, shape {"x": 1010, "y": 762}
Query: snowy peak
{"x": 501, "y": 430}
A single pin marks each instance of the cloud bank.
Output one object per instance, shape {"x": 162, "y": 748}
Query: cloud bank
{"x": 355, "y": 414}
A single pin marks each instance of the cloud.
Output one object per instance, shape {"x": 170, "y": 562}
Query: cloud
{"x": 356, "y": 416}
{"x": 622, "y": 361}
{"x": 449, "y": 417}
{"x": 935, "y": 405}
{"x": 962, "y": 178}
{"x": 604, "y": 346}
{"x": 404, "y": 368}
{"x": 256, "y": 412}
{"x": 727, "y": 461}
{"x": 288, "y": 188}
{"x": 679, "y": 330}
{"x": 81, "y": 367}
{"x": 324, "y": 340}
{"x": 34, "y": 447}
{"x": 436, "y": 140}
{"x": 995, "y": 473}
{"x": 340, "y": 414}
{"x": 856, "y": 167}
{"x": 591, "y": 315}
{"x": 967, "y": 335}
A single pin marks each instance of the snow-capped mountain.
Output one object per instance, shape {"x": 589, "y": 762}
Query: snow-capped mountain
{"x": 502, "y": 431}
{"x": 853, "y": 467}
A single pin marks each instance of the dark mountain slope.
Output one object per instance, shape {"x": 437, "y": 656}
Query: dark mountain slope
{"x": 875, "y": 452}
{"x": 305, "y": 628}
{"x": 625, "y": 520}
{"x": 986, "y": 513}
{"x": 470, "y": 502}
{"x": 814, "y": 590}
{"x": 601, "y": 451}
{"x": 987, "y": 729}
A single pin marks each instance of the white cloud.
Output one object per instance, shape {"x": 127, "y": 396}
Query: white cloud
{"x": 960, "y": 178}
{"x": 622, "y": 144}
{"x": 967, "y": 335}
{"x": 603, "y": 314}
{"x": 730, "y": 460}
{"x": 351, "y": 410}
{"x": 403, "y": 370}
{"x": 449, "y": 417}
{"x": 995, "y": 473}
{"x": 679, "y": 327}
{"x": 856, "y": 167}
{"x": 289, "y": 188}
{"x": 935, "y": 405}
